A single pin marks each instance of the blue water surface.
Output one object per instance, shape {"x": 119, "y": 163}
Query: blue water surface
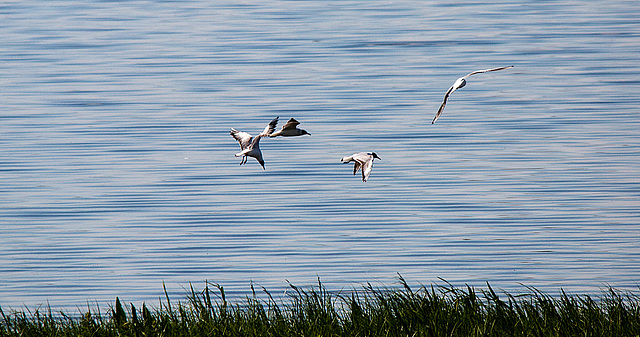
{"x": 117, "y": 171}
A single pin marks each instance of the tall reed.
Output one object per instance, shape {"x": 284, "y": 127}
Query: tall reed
{"x": 436, "y": 310}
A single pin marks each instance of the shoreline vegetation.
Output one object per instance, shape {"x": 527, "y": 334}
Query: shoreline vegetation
{"x": 436, "y": 310}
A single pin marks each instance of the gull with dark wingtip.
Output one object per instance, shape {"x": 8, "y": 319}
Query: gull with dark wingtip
{"x": 362, "y": 161}
{"x": 459, "y": 83}
{"x": 250, "y": 145}
{"x": 290, "y": 129}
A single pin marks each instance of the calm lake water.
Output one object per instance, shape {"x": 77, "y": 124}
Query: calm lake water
{"x": 117, "y": 170}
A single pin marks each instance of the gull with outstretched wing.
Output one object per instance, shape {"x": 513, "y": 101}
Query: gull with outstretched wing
{"x": 459, "y": 83}
{"x": 250, "y": 145}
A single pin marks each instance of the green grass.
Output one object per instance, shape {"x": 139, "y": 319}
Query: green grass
{"x": 427, "y": 311}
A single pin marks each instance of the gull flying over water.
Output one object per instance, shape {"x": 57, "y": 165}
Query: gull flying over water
{"x": 250, "y": 145}
{"x": 290, "y": 129}
{"x": 459, "y": 83}
{"x": 362, "y": 161}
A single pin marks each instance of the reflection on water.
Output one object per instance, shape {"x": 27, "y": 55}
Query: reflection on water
{"x": 117, "y": 169}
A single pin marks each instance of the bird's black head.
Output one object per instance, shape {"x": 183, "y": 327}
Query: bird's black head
{"x": 262, "y": 163}
{"x": 304, "y": 132}
{"x": 375, "y": 155}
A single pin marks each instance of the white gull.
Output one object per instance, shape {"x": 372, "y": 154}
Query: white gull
{"x": 250, "y": 145}
{"x": 290, "y": 129}
{"x": 459, "y": 83}
{"x": 362, "y": 161}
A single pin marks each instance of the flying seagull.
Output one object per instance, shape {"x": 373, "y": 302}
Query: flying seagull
{"x": 250, "y": 145}
{"x": 459, "y": 83}
{"x": 361, "y": 160}
{"x": 290, "y": 129}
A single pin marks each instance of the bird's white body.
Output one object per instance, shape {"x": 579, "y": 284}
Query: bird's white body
{"x": 459, "y": 83}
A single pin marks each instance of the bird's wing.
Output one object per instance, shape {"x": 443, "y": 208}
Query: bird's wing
{"x": 444, "y": 102}
{"x": 356, "y": 167}
{"x": 366, "y": 169}
{"x": 270, "y": 128}
{"x": 242, "y": 137}
{"x": 291, "y": 124}
{"x": 486, "y": 71}
{"x": 255, "y": 142}
{"x": 275, "y": 134}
